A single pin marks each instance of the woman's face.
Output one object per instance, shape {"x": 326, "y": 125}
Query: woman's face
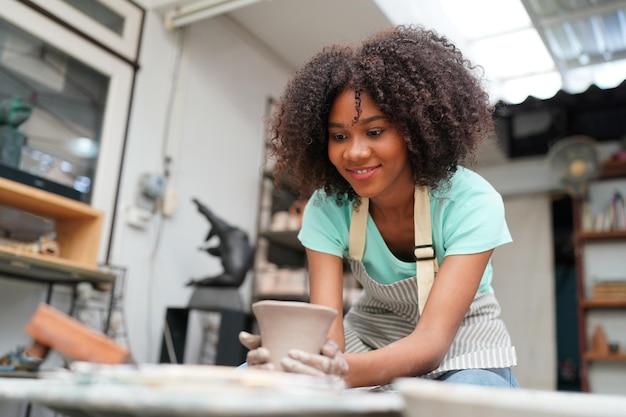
{"x": 370, "y": 154}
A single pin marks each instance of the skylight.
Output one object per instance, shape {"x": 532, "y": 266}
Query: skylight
{"x": 529, "y": 47}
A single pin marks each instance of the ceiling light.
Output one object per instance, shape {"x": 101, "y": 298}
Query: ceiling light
{"x": 515, "y": 54}
{"x": 473, "y": 22}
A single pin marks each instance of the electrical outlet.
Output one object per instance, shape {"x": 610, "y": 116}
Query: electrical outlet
{"x": 138, "y": 217}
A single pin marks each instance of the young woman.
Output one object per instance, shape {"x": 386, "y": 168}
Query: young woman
{"x": 377, "y": 136}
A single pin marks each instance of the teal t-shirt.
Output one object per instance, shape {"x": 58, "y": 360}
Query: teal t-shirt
{"x": 467, "y": 216}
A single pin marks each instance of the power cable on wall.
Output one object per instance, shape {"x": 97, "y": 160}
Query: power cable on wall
{"x": 167, "y": 126}
{"x": 166, "y": 172}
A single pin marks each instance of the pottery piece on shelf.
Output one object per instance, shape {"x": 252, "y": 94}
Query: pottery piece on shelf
{"x": 286, "y": 325}
{"x": 599, "y": 341}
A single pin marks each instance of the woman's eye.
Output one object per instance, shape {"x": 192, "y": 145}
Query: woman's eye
{"x": 338, "y": 137}
{"x": 375, "y": 132}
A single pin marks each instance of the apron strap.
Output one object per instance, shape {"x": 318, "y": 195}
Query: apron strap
{"x": 425, "y": 257}
{"x": 424, "y": 252}
{"x": 358, "y": 226}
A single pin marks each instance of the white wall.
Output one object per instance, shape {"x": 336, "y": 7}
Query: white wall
{"x": 524, "y": 285}
{"x": 217, "y": 146}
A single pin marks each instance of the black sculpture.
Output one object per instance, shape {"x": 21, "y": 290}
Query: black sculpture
{"x": 234, "y": 249}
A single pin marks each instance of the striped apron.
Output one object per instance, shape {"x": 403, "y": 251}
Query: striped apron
{"x": 384, "y": 313}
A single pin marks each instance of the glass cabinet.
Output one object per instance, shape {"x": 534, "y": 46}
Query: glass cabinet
{"x": 65, "y": 93}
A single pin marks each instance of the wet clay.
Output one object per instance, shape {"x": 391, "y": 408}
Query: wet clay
{"x": 286, "y": 325}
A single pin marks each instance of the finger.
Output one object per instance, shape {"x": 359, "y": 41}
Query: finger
{"x": 295, "y": 366}
{"x": 258, "y": 356}
{"x": 333, "y": 366}
{"x": 330, "y": 348}
{"x": 268, "y": 366}
{"x": 250, "y": 341}
{"x": 319, "y": 362}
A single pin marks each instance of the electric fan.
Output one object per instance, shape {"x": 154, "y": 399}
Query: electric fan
{"x": 573, "y": 162}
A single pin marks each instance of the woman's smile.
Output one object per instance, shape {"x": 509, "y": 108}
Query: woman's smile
{"x": 362, "y": 174}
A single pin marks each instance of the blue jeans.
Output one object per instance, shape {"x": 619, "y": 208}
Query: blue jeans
{"x": 492, "y": 377}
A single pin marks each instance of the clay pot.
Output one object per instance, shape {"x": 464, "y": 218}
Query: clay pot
{"x": 286, "y": 325}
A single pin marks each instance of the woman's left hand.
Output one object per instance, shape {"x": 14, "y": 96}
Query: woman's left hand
{"x": 330, "y": 362}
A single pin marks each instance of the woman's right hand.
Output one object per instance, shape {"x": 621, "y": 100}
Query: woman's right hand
{"x": 257, "y": 357}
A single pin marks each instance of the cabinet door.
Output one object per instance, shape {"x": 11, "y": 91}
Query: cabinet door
{"x": 115, "y": 24}
{"x": 79, "y": 94}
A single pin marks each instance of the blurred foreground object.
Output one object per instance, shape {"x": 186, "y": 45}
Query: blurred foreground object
{"x": 73, "y": 339}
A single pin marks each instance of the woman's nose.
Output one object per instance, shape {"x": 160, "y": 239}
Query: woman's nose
{"x": 358, "y": 148}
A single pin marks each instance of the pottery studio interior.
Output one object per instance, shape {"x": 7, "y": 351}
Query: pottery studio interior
{"x": 169, "y": 244}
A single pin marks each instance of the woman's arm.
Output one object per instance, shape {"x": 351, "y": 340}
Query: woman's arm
{"x": 326, "y": 288}
{"x": 423, "y": 350}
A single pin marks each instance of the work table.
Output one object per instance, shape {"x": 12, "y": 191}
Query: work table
{"x": 191, "y": 390}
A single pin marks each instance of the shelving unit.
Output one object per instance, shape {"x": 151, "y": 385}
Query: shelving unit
{"x": 287, "y": 238}
{"x": 280, "y": 262}
{"x": 91, "y": 64}
{"x": 280, "y": 271}
{"x": 281, "y": 248}
{"x": 600, "y": 257}
{"x": 77, "y": 227}
{"x": 591, "y": 356}
{"x": 600, "y": 304}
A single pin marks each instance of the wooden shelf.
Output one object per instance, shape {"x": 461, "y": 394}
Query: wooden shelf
{"x": 613, "y": 168}
{"x": 601, "y": 236}
{"x": 617, "y": 357}
{"x": 287, "y": 238}
{"x": 77, "y": 225}
{"x": 48, "y": 269}
{"x": 606, "y": 304}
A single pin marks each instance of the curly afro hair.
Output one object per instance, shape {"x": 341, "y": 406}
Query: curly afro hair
{"x": 417, "y": 78}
